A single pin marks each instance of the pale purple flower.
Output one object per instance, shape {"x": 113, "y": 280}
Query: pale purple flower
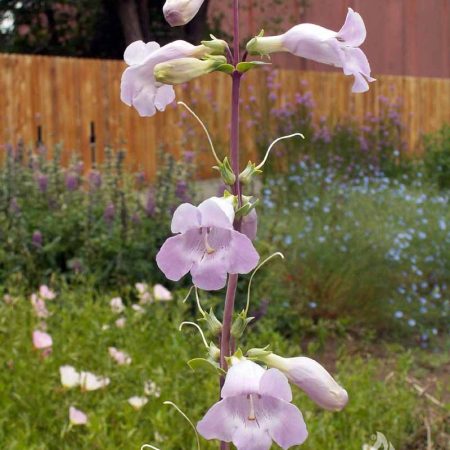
{"x": 95, "y": 179}
{"x": 255, "y": 410}
{"x": 339, "y": 49}
{"x": 42, "y": 181}
{"x": 138, "y": 86}
{"x": 109, "y": 213}
{"x": 180, "y": 12}
{"x": 313, "y": 379}
{"x": 72, "y": 181}
{"x": 119, "y": 356}
{"x": 46, "y": 293}
{"x": 206, "y": 245}
{"x": 150, "y": 205}
{"x": 77, "y": 417}
{"x": 249, "y": 225}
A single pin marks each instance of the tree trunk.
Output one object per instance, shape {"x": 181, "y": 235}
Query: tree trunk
{"x": 196, "y": 29}
{"x": 129, "y": 18}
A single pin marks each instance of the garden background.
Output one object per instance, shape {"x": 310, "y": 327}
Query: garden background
{"x": 359, "y": 209}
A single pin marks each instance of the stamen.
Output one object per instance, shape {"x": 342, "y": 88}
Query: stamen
{"x": 209, "y": 249}
{"x": 251, "y": 414}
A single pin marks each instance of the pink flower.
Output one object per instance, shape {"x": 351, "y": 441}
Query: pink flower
{"x": 46, "y": 293}
{"x": 39, "y": 307}
{"x": 206, "y": 245}
{"x": 42, "y": 340}
{"x": 339, "y": 49}
{"x": 77, "y": 417}
{"x": 138, "y": 87}
{"x": 160, "y": 293}
{"x": 119, "y": 357}
{"x": 121, "y": 322}
{"x": 255, "y": 410}
{"x": 180, "y": 12}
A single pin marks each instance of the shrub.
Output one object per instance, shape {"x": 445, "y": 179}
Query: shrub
{"x": 437, "y": 156}
{"x": 104, "y": 222}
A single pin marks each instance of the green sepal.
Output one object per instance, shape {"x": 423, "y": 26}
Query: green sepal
{"x": 246, "y": 209}
{"x": 212, "y": 322}
{"x": 214, "y": 352}
{"x": 245, "y": 66}
{"x": 226, "y": 172}
{"x": 258, "y": 354}
{"x": 218, "y": 46}
{"x": 202, "y": 363}
{"x": 245, "y": 177}
{"x": 226, "y": 68}
{"x": 240, "y": 324}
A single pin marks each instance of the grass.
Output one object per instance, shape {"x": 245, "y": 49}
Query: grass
{"x": 35, "y": 406}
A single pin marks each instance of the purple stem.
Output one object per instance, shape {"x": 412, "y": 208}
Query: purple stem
{"x": 225, "y": 340}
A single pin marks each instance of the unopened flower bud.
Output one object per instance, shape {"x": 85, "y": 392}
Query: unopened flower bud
{"x": 226, "y": 172}
{"x": 312, "y": 378}
{"x": 260, "y": 45}
{"x": 240, "y": 324}
{"x": 180, "y": 12}
{"x": 182, "y": 70}
{"x": 216, "y": 46}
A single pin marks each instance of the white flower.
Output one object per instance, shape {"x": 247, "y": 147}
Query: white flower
{"x": 117, "y": 305}
{"x": 92, "y": 382}
{"x": 161, "y": 293}
{"x": 69, "y": 376}
{"x": 139, "y": 309}
{"x": 121, "y": 322}
{"x": 151, "y": 389}
{"x": 137, "y": 402}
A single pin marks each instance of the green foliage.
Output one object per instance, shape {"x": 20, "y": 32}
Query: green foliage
{"x": 437, "y": 156}
{"x": 35, "y": 406}
{"x": 369, "y": 251}
{"x": 106, "y": 223}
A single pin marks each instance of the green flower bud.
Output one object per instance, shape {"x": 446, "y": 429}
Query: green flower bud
{"x": 226, "y": 172}
{"x": 240, "y": 324}
{"x": 216, "y": 46}
{"x": 245, "y": 177}
{"x": 177, "y": 71}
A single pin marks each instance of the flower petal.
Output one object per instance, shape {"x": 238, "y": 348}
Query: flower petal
{"x": 185, "y": 217}
{"x": 210, "y": 272}
{"x": 284, "y": 421}
{"x": 137, "y": 52}
{"x": 243, "y": 257}
{"x": 175, "y": 258}
{"x": 249, "y": 225}
{"x": 275, "y": 384}
{"x": 354, "y": 31}
{"x": 252, "y": 438}
{"x": 243, "y": 378}
{"x": 220, "y": 422}
{"x": 165, "y": 95}
{"x": 216, "y": 214}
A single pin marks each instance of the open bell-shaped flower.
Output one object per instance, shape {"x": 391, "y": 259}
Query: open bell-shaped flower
{"x": 312, "y": 378}
{"x": 180, "y": 12}
{"x": 138, "y": 87}
{"x": 255, "y": 410}
{"x": 206, "y": 245}
{"x": 339, "y": 49}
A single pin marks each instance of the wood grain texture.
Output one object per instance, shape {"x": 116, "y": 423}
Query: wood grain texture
{"x": 65, "y": 95}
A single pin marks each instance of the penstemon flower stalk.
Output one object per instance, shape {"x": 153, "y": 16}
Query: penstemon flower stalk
{"x": 213, "y": 241}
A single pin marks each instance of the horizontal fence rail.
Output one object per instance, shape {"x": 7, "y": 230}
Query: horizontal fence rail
{"x": 75, "y": 102}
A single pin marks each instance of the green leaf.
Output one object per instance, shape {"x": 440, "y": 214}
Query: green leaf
{"x": 248, "y": 65}
{"x": 203, "y": 363}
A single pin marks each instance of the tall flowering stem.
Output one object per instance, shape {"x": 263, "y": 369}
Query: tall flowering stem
{"x": 225, "y": 340}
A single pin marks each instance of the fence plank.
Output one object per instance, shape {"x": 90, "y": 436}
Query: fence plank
{"x": 65, "y": 95}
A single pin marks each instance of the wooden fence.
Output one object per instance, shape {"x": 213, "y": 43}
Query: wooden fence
{"x": 65, "y": 96}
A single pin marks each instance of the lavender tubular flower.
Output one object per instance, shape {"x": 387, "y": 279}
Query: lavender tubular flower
{"x": 206, "y": 245}
{"x": 181, "y": 12}
{"x": 339, "y": 49}
{"x": 255, "y": 410}
{"x": 313, "y": 379}
{"x": 138, "y": 87}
